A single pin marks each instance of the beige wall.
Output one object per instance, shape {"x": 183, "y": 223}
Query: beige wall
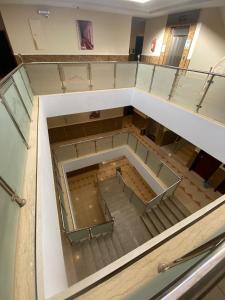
{"x": 210, "y": 44}
{"x": 111, "y": 31}
{"x": 154, "y": 28}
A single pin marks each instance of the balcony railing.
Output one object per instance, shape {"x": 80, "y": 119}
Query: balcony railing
{"x": 198, "y": 91}
{"x": 16, "y": 103}
{"x": 156, "y": 167}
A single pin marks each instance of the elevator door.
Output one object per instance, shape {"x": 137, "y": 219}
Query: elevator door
{"x": 178, "y": 40}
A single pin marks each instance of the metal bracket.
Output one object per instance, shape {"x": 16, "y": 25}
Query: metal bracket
{"x": 20, "y": 201}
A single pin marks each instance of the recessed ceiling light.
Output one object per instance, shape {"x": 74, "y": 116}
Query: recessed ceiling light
{"x": 139, "y": 1}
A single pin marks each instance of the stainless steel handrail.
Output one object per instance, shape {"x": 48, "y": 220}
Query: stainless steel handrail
{"x": 20, "y": 201}
{"x": 183, "y": 69}
{"x": 206, "y": 247}
{"x": 103, "y": 200}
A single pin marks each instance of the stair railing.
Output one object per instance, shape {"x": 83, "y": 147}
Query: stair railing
{"x": 206, "y": 247}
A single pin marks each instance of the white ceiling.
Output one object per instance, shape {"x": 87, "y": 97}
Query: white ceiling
{"x": 146, "y": 10}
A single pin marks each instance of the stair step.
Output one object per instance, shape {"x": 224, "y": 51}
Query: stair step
{"x": 181, "y": 207}
{"x": 168, "y": 213}
{"x": 167, "y": 224}
{"x": 79, "y": 262}
{"x": 117, "y": 244}
{"x": 88, "y": 258}
{"x": 104, "y": 251}
{"x": 111, "y": 248}
{"x": 97, "y": 254}
{"x": 174, "y": 209}
{"x": 150, "y": 226}
{"x": 158, "y": 225}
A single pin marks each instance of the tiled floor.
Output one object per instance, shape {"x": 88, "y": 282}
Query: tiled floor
{"x": 84, "y": 194}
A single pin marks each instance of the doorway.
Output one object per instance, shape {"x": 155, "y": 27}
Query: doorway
{"x": 205, "y": 165}
{"x": 177, "y": 44}
{"x": 136, "y": 38}
{"x": 7, "y": 59}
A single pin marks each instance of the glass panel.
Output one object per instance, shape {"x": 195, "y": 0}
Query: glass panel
{"x": 79, "y": 235}
{"x": 137, "y": 202}
{"x": 104, "y": 144}
{"x": 9, "y": 213}
{"x": 132, "y": 142}
{"x": 167, "y": 176}
{"x": 153, "y": 162}
{"x": 23, "y": 91}
{"x": 120, "y": 139}
{"x": 66, "y": 152}
{"x": 171, "y": 190}
{"x": 189, "y": 89}
{"x": 102, "y": 228}
{"x": 26, "y": 82}
{"x": 44, "y": 78}
{"x": 13, "y": 152}
{"x": 155, "y": 201}
{"x": 17, "y": 109}
{"x": 144, "y": 76}
{"x": 102, "y": 76}
{"x": 85, "y": 148}
{"x": 142, "y": 151}
{"x": 213, "y": 105}
{"x": 75, "y": 77}
{"x": 128, "y": 191}
{"x": 125, "y": 75}
{"x": 162, "y": 82}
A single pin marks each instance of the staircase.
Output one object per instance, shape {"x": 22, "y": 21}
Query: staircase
{"x": 166, "y": 214}
{"x": 130, "y": 229}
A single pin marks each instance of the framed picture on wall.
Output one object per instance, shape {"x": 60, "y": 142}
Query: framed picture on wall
{"x": 85, "y": 34}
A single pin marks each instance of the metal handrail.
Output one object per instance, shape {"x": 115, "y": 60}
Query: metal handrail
{"x": 103, "y": 200}
{"x": 183, "y": 69}
{"x": 209, "y": 246}
{"x": 20, "y": 201}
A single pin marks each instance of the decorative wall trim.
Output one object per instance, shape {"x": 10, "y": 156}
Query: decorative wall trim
{"x": 150, "y": 59}
{"x": 69, "y": 58}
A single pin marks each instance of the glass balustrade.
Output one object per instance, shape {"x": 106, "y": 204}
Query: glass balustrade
{"x": 102, "y": 75}
{"x": 100, "y": 229}
{"x": 75, "y": 77}
{"x": 85, "y": 148}
{"x": 125, "y": 75}
{"x": 15, "y": 112}
{"x": 66, "y": 152}
{"x": 144, "y": 77}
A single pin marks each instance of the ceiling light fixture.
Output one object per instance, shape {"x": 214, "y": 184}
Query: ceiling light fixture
{"x": 139, "y": 1}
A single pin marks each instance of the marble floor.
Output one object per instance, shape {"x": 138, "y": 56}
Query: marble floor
{"x": 84, "y": 192}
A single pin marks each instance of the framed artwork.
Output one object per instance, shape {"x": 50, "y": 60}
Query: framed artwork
{"x": 85, "y": 34}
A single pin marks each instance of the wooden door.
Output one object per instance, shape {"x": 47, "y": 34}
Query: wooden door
{"x": 205, "y": 165}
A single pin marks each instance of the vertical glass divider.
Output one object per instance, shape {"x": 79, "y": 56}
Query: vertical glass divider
{"x": 206, "y": 88}
{"x": 3, "y": 101}
{"x": 160, "y": 168}
{"x": 112, "y": 141}
{"x": 95, "y": 147}
{"x": 136, "y": 146}
{"x": 90, "y": 76}
{"x": 76, "y": 151}
{"x": 62, "y": 77}
{"x": 25, "y": 82}
{"x": 151, "y": 83}
{"x": 21, "y": 99}
{"x": 146, "y": 157}
{"x": 136, "y": 73}
{"x": 115, "y": 69}
{"x": 174, "y": 84}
